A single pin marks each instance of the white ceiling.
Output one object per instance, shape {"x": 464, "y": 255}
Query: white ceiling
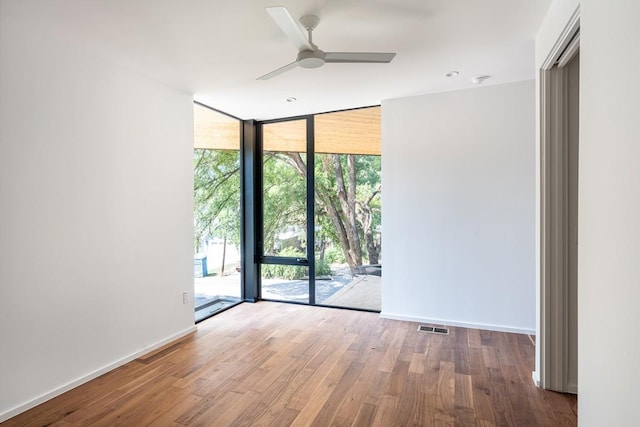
{"x": 216, "y": 49}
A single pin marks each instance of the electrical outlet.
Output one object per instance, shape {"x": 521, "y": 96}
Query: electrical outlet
{"x": 185, "y": 297}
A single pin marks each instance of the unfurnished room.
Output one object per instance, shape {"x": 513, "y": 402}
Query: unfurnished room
{"x": 319, "y": 212}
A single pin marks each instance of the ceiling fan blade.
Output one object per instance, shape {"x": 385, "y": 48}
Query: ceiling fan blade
{"x": 279, "y": 71}
{"x": 354, "y": 57}
{"x": 289, "y": 27}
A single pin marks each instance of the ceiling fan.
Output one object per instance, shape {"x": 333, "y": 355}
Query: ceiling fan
{"x": 309, "y": 56}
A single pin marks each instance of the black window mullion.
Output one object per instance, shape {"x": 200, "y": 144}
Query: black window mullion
{"x": 311, "y": 245}
{"x": 249, "y": 212}
{"x": 259, "y": 197}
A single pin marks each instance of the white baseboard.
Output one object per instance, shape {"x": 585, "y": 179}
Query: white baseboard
{"x": 536, "y": 378}
{"x": 75, "y": 383}
{"x": 460, "y": 324}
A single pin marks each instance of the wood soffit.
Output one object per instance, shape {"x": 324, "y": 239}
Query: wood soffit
{"x": 344, "y": 132}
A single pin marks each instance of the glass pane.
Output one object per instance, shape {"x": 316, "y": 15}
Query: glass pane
{"x": 347, "y": 232}
{"x": 216, "y": 214}
{"x": 284, "y": 191}
{"x": 285, "y": 282}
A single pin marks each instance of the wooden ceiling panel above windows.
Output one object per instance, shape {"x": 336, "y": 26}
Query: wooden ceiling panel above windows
{"x": 355, "y": 131}
{"x": 349, "y": 132}
{"x": 290, "y": 136}
{"x": 215, "y": 131}
{"x": 343, "y": 132}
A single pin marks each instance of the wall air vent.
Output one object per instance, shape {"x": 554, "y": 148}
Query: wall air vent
{"x": 433, "y": 330}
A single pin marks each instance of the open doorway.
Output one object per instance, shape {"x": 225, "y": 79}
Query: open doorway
{"x": 558, "y": 336}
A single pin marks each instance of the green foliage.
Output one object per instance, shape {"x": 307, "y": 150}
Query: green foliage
{"x": 288, "y": 272}
{"x": 334, "y": 255}
{"x": 216, "y": 184}
{"x": 322, "y": 268}
{"x": 368, "y": 181}
{"x": 284, "y": 195}
{"x": 217, "y": 202}
{"x": 293, "y": 272}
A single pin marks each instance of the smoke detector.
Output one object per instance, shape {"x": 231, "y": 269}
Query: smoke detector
{"x": 480, "y": 79}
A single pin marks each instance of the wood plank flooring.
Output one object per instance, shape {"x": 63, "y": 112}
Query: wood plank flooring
{"x": 272, "y": 364}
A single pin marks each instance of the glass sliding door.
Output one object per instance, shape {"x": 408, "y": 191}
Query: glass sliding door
{"x": 284, "y": 242}
{"x": 216, "y": 166}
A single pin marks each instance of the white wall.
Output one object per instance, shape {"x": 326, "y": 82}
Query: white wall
{"x": 95, "y": 213}
{"x": 609, "y": 221}
{"x": 458, "y": 208}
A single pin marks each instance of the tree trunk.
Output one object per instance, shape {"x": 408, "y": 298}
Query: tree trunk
{"x": 323, "y": 246}
{"x": 341, "y": 232}
{"x": 341, "y": 209}
{"x": 366, "y": 219}
{"x": 224, "y": 254}
{"x": 372, "y": 248}
{"x": 349, "y": 213}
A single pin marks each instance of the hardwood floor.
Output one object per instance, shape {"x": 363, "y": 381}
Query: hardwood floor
{"x": 271, "y": 364}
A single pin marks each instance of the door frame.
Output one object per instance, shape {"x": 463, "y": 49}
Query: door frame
{"x": 554, "y": 290}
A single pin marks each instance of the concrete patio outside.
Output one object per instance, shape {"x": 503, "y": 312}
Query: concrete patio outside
{"x": 341, "y": 289}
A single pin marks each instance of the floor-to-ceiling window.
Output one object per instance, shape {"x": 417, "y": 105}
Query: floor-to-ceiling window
{"x": 348, "y": 208}
{"x": 216, "y": 240}
{"x": 284, "y": 227}
{"x": 320, "y": 209}
{"x": 311, "y": 188}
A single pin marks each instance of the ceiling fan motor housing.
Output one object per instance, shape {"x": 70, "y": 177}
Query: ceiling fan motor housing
{"x": 311, "y": 58}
